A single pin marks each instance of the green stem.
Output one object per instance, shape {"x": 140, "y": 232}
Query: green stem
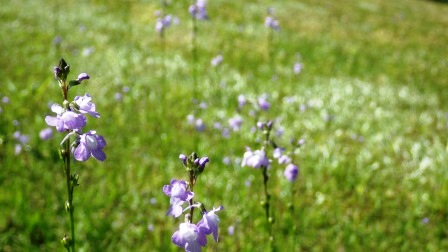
{"x": 269, "y": 220}
{"x": 70, "y": 184}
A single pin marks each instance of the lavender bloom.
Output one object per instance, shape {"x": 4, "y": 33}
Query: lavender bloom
{"x": 291, "y": 172}
{"x": 255, "y": 159}
{"x": 202, "y": 162}
{"x": 231, "y": 230}
{"x": 5, "y": 99}
{"x": 199, "y": 125}
{"x": 65, "y": 120}
{"x": 163, "y": 23}
{"x": 217, "y": 60}
{"x": 209, "y": 223}
{"x": 284, "y": 159}
{"x": 90, "y": 144}
{"x": 183, "y": 157}
{"x": 272, "y": 23}
{"x": 86, "y": 106}
{"x": 22, "y": 139}
{"x": 46, "y": 134}
{"x": 177, "y": 190}
{"x": 198, "y": 10}
{"x": 241, "y": 101}
{"x": 297, "y": 68}
{"x": 235, "y": 123}
{"x": 278, "y": 152}
{"x": 263, "y": 103}
{"x": 189, "y": 237}
{"x": 83, "y": 76}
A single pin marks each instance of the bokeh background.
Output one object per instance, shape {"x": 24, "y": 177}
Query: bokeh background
{"x": 370, "y": 102}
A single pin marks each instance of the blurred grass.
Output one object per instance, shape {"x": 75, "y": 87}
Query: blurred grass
{"x": 370, "y": 102}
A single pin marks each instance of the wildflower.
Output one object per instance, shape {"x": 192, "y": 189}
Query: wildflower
{"x": 177, "y": 190}
{"x": 198, "y": 10}
{"x": 163, "y": 23}
{"x": 263, "y": 103}
{"x": 86, "y": 106}
{"x": 5, "y": 99}
{"x": 65, "y": 120}
{"x": 22, "y": 141}
{"x": 209, "y": 223}
{"x": 217, "y": 60}
{"x": 278, "y": 152}
{"x": 297, "y": 68}
{"x": 272, "y": 23}
{"x": 90, "y": 144}
{"x": 46, "y": 134}
{"x": 199, "y": 125}
{"x": 255, "y": 159}
{"x": 284, "y": 159}
{"x": 241, "y": 100}
{"x": 291, "y": 172}
{"x": 235, "y": 123}
{"x": 83, "y": 76}
{"x": 189, "y": 237}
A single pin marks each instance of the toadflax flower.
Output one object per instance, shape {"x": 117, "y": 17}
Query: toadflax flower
{"x": 90, "y": 144}
{"x": 65, "y": 120}
{"x": 209, "y": 223}
{"x": 189, "y": 237}
{"x": 177, "y": 190}
{"x": 291, "y": 172}
{"x": 198, "y": 10}
{"x": 86, "y": 106}
{"x": 255, "y": 159}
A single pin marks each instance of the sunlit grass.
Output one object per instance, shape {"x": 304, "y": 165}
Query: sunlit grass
{"x": 370, "y": 104}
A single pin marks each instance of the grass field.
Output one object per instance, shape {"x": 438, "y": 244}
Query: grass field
{"x": 370, "y": 103}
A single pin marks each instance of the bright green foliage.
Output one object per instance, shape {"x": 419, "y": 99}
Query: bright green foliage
{"x": 373, "y": 168}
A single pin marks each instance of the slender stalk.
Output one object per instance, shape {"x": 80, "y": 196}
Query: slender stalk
{"x": 70, "y": 183}
{"x": 192, "y": 182}
{"x": 269, "y": 219}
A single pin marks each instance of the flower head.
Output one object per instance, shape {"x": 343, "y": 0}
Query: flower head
{"x": 83, "y": 76}
{"x": 46, "y": 134}
{"x": 291, "y": 172}
{"x": 209, "y": 223}
{"x": 189, "y": 237}
{"x": 198, "y": 10}
{"x": 177, "y": 190}
{"x": 255, "y": 159}
{"x": 163, "y": 23}
{"x": 263, "y": 103}
{"x": 90, "y": 144}
{"x": 217, "y": 60}
{"x": 86, "y": 106}
{"x": 65, "y": 120}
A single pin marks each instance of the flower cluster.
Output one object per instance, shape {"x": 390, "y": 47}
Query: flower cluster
{"x": 70, "y": 118}
{"x": 270, "y": 21}
{"x": 191, "y": 237}
{"x": 162, "y": 23}
{"x": 198, "y": 10}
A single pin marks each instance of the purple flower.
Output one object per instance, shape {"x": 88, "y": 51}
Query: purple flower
{"x": 263, "y": 103}
{"x": 46, "y": 134}
{"x": 202, "y": 162}
{"x": 22, "y": 139}
{"x": 163, "y": 23}
{"x": 272, "y": 23}
{"x": 183, "y": 157}
{"x": 189, "y": 238}
{"x": 235, "y": 122}
{"x": 284, "y": 159}
{"x": 83, "y": 76}
{"x": 255, "y": 159}
{"x": 199, "y": 125}
{"x": 65, "y": 120}
{"x": 297, "y": 68}
{"x": 291, "y": 172}
{"x": 217, "y": 60}
{"x": 90, "y": 144}
{"x": 231, "y": 230}
{"x": 177, "y": 190}
{"x": 209, "y": 223}
{"x": 5, "y": 99}
{"x": 241, "y": 101}
{"x": 278, "y": 152}
{"x": 86, "y": 106}
{"x": 198, "y": 10}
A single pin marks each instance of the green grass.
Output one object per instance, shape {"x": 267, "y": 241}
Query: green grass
{"x": 369, "y": 176}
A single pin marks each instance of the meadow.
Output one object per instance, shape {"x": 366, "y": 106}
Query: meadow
{"x": 369, "y": 104}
